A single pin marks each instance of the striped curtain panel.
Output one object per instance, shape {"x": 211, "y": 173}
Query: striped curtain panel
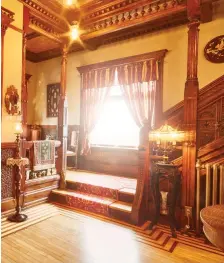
{"x": 95, "y": 89}
{"x": 138, "y": 81}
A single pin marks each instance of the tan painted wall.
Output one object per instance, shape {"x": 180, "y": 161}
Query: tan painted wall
{"x": 31, "y": 68}
{"x": 12, "y": 65}
{"x": 175, "y": 66}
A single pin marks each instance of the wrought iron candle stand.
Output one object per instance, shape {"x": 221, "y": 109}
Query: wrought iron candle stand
{"x": 17, "y": 163}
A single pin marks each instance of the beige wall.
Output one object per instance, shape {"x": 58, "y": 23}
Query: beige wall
{"x": 12, "y": 73}
{"x": 175, "y": 66}
{"x": 31, "y": 68}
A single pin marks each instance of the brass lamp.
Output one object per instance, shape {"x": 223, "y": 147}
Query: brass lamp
{"x": 165, "y": 139}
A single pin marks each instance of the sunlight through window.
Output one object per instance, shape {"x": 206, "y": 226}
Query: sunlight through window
{"x": 115, "y": 126}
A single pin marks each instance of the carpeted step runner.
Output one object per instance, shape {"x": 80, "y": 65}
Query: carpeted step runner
{"x": 109, "y": 186}
{"x": 92, "y": 203}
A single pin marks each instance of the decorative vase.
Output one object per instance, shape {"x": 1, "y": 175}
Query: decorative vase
{"x": 163, "y": 203}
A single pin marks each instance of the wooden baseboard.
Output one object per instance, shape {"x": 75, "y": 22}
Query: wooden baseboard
{"x": 8, "y": 204}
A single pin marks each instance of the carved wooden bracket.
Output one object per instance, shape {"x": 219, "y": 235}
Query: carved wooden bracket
{"x": 7, "y": 17}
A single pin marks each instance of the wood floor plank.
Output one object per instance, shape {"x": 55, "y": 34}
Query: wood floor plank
{"x": 71, "y": 237}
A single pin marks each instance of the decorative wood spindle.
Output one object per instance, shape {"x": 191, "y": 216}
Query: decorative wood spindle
{"x": 129, "y": 15}
{"x": 117, "y": 20}
{"x": 63, "y": 121}
{"x": 123, "y": 17}
{"x": 143, "y": 11}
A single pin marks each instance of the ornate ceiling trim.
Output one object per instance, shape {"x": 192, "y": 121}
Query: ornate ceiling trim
{"x": 44, "y": 29}
{"x": 7, "y": 17}
{"x": 139, "y": 16}
{"x": 44, "y": 13}
{"x": 105, "y": 21}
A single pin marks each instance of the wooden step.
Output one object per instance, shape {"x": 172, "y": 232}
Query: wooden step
{"x": 121, "y": 211}
{"x": 126, "y": 195}
{"x": 109, "y": 186}
{"x": 92, "y": 189}
{"x": 92, "y": 203}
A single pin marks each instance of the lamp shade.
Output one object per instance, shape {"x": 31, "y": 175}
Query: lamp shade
{"x": 166, "y": 133}
{"x": 18, "y": 128}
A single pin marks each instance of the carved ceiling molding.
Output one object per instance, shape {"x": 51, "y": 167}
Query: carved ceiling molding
{"x": 104, "y": 21}
{"x": 143, "y": 30}
{"x": 44, "y": 13}
{"x": 139, "y": 16}
{"x": 131, "y": 9}
{"x": 38, "y": 25}
{"x": 7, "y": 17}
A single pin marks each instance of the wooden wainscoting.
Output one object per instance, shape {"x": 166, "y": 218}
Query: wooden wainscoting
{"x": 38, "y": 190}
{"x": 117, "y": 161}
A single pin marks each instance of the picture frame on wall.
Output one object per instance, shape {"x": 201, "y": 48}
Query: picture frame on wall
{"x": 53, "y": 93}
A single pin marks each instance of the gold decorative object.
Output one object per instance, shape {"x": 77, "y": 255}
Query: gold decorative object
{"x": 11, "y": 101}
{"x": 214, "y": 50}
{"x": 165, "y": 139}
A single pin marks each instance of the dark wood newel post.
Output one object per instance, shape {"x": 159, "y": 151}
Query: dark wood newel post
{"x": 63, "y": 121}
{"x": 190, "y": 111}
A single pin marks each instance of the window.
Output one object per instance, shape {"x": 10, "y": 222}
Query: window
{"x": 115, "y": 126}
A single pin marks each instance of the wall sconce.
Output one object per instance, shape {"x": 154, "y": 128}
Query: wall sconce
{"x": 165, "y": 139}
{"x": 12, "y": 101}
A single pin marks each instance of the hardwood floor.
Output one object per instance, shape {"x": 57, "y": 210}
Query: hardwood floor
{"x": 71, "y": 237}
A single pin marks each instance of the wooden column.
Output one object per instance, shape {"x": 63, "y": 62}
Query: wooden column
{"x": 63, "y": 121}
{"x": 190, "y": 110}
{"x": 24, "y": 92}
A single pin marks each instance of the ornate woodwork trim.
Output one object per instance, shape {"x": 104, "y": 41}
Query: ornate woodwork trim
{"x": 158, "y": 55}
{"x": 7, "y": 17}
{"x": 38, "y": 25}
{"x": 208, "y": 95}
{"x": 46, "y": 14}
{"x": 190, "y": 117}
{"x": 139, "y": 12}
{"x": 63, "y": 120}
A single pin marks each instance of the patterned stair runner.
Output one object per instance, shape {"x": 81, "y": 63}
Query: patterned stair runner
{"x": 103, "y": 194}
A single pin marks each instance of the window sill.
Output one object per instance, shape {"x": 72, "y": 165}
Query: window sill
{"x": 114, "y": 147}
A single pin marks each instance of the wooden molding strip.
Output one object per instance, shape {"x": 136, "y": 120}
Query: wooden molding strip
{"x": 8, "y": 145}
{"x": 137, "y": 58}
{"x": 16, "y": 28}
